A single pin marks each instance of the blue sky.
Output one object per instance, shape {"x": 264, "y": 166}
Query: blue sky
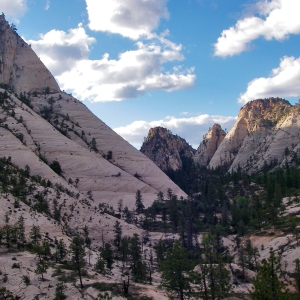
{"x": 183, "y": 65}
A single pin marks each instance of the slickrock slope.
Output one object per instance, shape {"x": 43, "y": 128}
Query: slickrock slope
{"x": 47, "y": 124}
{"x": 252, "y": 142}
{"x": 20, "y": 68}
{"x": 207, "y": 148}
{"x": 165, "y": 149}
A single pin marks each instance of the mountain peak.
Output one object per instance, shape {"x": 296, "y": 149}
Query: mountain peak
{"x": 20, "y": 68}
{"x": 207, "y": 148}
{"x": 165, "y": 149}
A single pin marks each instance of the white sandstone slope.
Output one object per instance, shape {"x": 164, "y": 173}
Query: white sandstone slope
{"x": 58, "y": 127}
{"x": 20, "y": 68}
{"x": 251, "y": 143}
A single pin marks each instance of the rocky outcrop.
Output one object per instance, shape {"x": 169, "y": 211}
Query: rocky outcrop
{"x": 20, "y": 67}
{"x": 166, "y": 150}
{"x": 207, "y": 148}
{"x": 252, "y": 141}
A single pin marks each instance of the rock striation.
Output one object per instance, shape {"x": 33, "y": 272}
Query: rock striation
{"x": 166, "y": 150}
{"x": 209, "y": 145}
{"x": 39, "y": 124}
{"x": 20, "y": 67}
{"x": 263, "y": 129}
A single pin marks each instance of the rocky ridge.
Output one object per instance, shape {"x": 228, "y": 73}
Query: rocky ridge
{"x": 166, "y": 150}
{"x": 209, "y": 145}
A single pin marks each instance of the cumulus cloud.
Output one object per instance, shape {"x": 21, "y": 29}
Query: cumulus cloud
{"x": 132, "y": 74}
{"x": 192, "y": 129}
{"x": 284, "y": 81}
{"x": 13, "y": 8}
{"x": 129, "y": 18}
{"x": 60, "y": 51}
{"x": 275, "y": 19}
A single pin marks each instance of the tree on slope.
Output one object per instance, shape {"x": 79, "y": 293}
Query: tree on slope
{"x": 174, "y": 269}
{"x": 78, "y": 253}
{"x": 267, "y": 284}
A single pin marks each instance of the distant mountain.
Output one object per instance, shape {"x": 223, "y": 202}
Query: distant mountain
{"x": 209, "y": 145}
{"x": 166, "y": 150}
{"x": 266, "y": 132}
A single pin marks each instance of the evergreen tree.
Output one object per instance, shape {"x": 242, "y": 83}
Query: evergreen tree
{"x": 61, "y": 250}
{"x": 173, "y": 272}
{"x": 297, "y": 274}
{"x": 139, "y": 206}
{"x": 77, "y": 256}
{"x": 267, "y": 285}
{"x": 41, "y": 268}
{"x": 35, "y": 234}
{"x": 107, "y": 255}
{"x": 21, "y": 231}
{"x": 118, "y": 234}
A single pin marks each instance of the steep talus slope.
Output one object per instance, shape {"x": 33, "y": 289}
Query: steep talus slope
{"x": 257, "y": 121}
{"x": 209, "y": 145}
{"x": 166, "y": 150}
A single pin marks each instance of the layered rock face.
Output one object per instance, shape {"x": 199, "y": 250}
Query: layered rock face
{"x": 258, "y": 134}
{"x": 166, "y": 150}
{"x": 54, "y": 126}
{"x": 20, "y": 68}
{"x": 207, "y": 148}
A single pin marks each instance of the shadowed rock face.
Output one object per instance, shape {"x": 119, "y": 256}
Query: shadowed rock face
{"x": 207, "y": 148}
{"x": 165, "y": 149}
{"x": 252, "y": 141}
{"x": 20, "y": 68}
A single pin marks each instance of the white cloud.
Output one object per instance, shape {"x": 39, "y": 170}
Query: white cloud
{"x": 277, "y": 19}
{"x": 47, "y": 6}
{"x": 13, "y": 8}
{"x": 129, "y": 18}
{"x": 60, "y": 51}
{"x": 132, "y": 74}
{"x": 191, "y": 129}
{"x": 284, "y": 81}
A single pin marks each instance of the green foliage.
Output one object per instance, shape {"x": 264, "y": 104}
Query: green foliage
{"x": 55, "y": 166}
{"x": 139, "y": 206}
{"x": 174, "y": 272}
{"x": 267, "y": 284}
{"x": 107, "y": 255}
{"x": 78, "y": 256}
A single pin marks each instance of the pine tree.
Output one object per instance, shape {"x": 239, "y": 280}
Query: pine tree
{"x": 77, "y": 256}
{"x": 173, "y": 272}
{"x": 267, "y": 285}
{"x": 41, "y": 268}
{"x": 107, "y": 255}
{"x": 139, "y": 206}
{"x": 35, "y": 234}
{"x": 118, "y": 234}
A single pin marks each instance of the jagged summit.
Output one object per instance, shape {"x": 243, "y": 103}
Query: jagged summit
{"x": 209, "y": 145}
{"x": 20, "y": 68}
{"x": 165, "y": 149}
{"x": 252, "y": 141}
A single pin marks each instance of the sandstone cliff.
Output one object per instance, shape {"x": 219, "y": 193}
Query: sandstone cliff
{"x": 209, "y": 145}
{"x": 20, "y": 68}
{"x": 166, "y": 150}
{"x": 254, "y": 139}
